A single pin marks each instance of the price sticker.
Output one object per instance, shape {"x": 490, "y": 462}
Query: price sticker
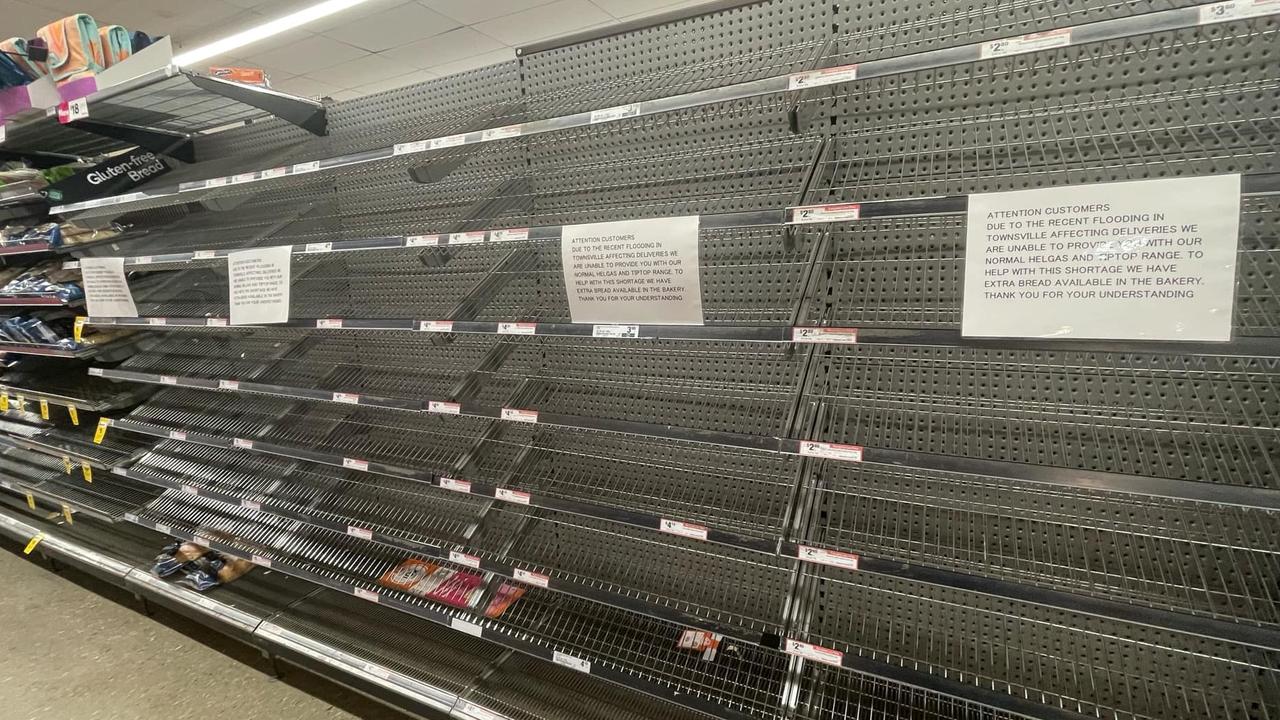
{"x": 834, "y": 558}
{"x": 86, "y": 470}
{"x": 831, "y": 451}
{"x": 440, "y": 326}
{"x": 825, "y": 335}
{"x": 421, "y": 240}
{"x": 101, "y": 431}
{"x": 31, "y": 501}
{"x": 177, "y": 435}
{"x": 455, "y": 485}
{"x": 416, "y": 146}
{"x": 33, "y": 543}
{"x": 66, "y": 514}
{"x": 502, "y": 133}
{"x": 215, "y": 322}
{"x": 75, "y": 415}
{"x": 517, "y": 415}
{"x": 67, "y": 466}
{"x": 4, "y": 402}
{"x": 354, "y": 464}
{"x": 834, "y": 212}
{"x": 77, "y": 330}
{"x": 347, "y": 398}
{"x": 571, "y": 662}
{"x": 369, "y": 595}
{"x": 44, "y": 409}
{"x": 824, "y": 76}
{"x": 1030, "y": 42}
{"x": 615, "y": 331}
{"x": 510, "y": 235}
{"x": 444, "y": 408}
{"x": 517, "y": 328}
{"x": 467, "y": 627}
{"x": 242, "y": 443}
{"x": 513, "y": 496}
{"x": 615, "y": 113}
{"x": 72, "y": 110}
{"x": 817, "y": 653}
{"x": 306, "y": 167}
{"x": 464, "y": 559}
{"x": 683, "y": 529}
{"x": 320, "y": 247}
{"x": 466, "y": 238}
{"x": 228, "y": 384}
{"x": 531, "y": 578}
{"x": 1237, "y": 10}
{"x": 359, "y": 532}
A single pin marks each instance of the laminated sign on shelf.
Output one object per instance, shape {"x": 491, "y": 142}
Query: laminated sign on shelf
{"x": 633, "y": 271}
{"x": 106, "y": 291}
{"x": 1144, "y": 260}
{"x": 259, "y": 282}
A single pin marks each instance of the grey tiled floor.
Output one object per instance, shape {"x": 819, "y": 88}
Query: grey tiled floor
{"x": 75, "y": 649}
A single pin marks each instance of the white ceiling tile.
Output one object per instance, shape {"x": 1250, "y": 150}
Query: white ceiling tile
{"x": 306, "y": 56}
{"x": 470, "y": 12}
{"x": 392, "y": 28}
{"x": 456, "y": 44}
{"x": 352, "y": 14}
{"x": 635, "y": 9}
{"x": 477, "y": 61}
{"x": 391, "y": 83}
{"x": 545, "y": 21}
{"x": 243, "y": 21}
{"x": 361, "y": 71}
{"x": 22, "y": 19}
{"x": 306, "y": 87}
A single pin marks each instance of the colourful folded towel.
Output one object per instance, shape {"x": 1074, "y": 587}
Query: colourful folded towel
{"x": 117, "y": 45}
{"x": 17, "y": 52}
{"x": 74, "y": 47}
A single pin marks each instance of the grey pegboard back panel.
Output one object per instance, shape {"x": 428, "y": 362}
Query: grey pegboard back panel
{"x": 757, "y": 40}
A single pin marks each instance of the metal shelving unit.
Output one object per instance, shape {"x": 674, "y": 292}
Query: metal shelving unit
{"x": 1011, "y": 528}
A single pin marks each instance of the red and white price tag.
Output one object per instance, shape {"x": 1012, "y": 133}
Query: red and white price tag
{"x": 502, "y": 133}
{"x": 464, "y": 559}
{"x": 200, "y": 540}
{"x": 831, "y": 451}
{"x": 824, "y": 76}
{"x": 444, "y": 408}
{"x": 472, "y": 711}
{"x": 242, "y": 443}
{"x": 348, "y": 398}
{"x": 177, "y": 435}
{"x": 369, "y": 595}
{"x": 614, "y": 113}
{"x": 359, "y": 532}
{"x": 261, "y": 561}
{"x": 834, "y": 212}
{"x": 440, "y": 326}
{"x": 509, "y": 234}
{"x": 514, "y": 496}
{"x": 190, "y": 490}
{"x": 531, "y": 578}
{"x": 168, "y": 380}
{"x": 1030, "y": 42}
{"x": 72, "y": 110}
{"x": 306, "y": 167}
{"x": 517, "y": 415}
{"x": 1237, "y": 10}
{"x": 272, "y": 173}
{"x": 157, "y": 321}
{"x": 517, "y": 328}
{"x": 203, "y": 255}
{"x": 217, "y": 182}
{"x": 826, "y": 335}
{"x": 683, "y": 529}
{"x": 466, "y": 238}
{"x": 251, "y": 505}
{"x": 354, "y": 464}
{"x": 329, "y": 323}
{"x": 455, "y": 485}
{"x": 834, "y": 558}
{"x": 243, "y": 178}
{"x": 817, "y": 653}
{"x": 228, "y": 384}
{"x": 421, "y": 240}
{"x": 320, "y": 247}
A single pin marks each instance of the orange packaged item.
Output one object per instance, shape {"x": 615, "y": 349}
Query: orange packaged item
{"x": 506, "y": 596}
{"x": 247, "y": 76}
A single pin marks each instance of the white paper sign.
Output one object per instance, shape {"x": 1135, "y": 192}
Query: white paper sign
{"x": 1144, "y": 260}
{"x": 105, "y": 289}
{"x": 259, "y": 281}
{"x": 633, "y": 271}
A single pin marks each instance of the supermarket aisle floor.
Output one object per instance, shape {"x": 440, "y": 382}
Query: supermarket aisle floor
{"x": 72, "y": 648}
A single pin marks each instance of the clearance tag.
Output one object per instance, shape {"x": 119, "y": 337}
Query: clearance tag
{"x": 87, "y": 470}
{"x": 66, "y": 513}
{"x": 4, "y": 402}
{"x": 66, "y": 464}
{"x": 32, "y": 543}
{"x": 31, "y": 501}
{"x": 77, "y": 332}
{"x": 101, "y": 432}
{"x": 75, "y": 414}
{"x": 44, "y": 409}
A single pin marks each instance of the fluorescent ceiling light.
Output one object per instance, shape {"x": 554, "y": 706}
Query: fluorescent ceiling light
{"x": 264, "y": 31}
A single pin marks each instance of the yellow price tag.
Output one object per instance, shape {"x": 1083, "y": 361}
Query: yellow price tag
{"x": 66, "y": 513}
{"x": 101, "y": 432}
{"x": 87, "y": 470}
{"x": 78, "y": 331}
{"x": 75, "y": 414}
{"x": 32, "y": 543}
{"x": 66, "y": 464}
{"x": 44, "y": 409}
{"x": 4, "y": 402}
{"x": 31, "y": 501}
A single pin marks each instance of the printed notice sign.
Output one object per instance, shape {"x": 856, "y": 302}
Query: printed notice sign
{"x": 259, "y": 281}
{"x": 1145, "y": 260}
{"x": 106, "y": 290}
{"x": 633, "y": 271}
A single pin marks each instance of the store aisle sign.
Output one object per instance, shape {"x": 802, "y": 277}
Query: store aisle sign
{"x": 106, "y": 291}
{"x": 1144, "y": 260}
{"x": 259, "y": 285}
{"x": 633, "y": 271}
